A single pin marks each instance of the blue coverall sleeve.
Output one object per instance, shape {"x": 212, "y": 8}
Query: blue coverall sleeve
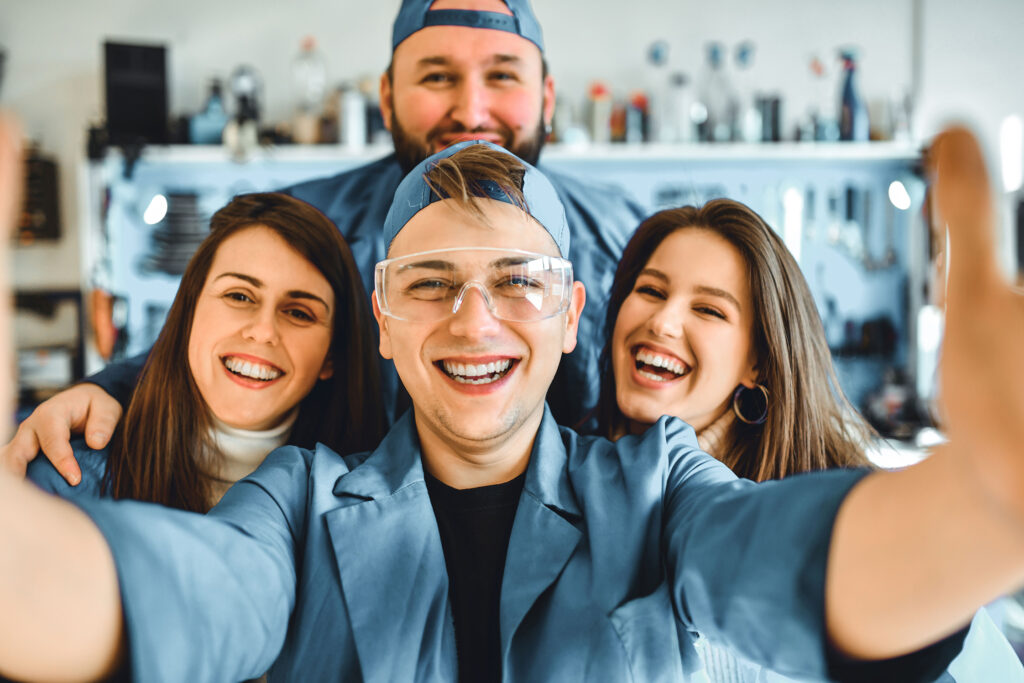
{"x": 119, "y": 379}
{"x": 208, "y": 598}
{"x": 746, "y": 564}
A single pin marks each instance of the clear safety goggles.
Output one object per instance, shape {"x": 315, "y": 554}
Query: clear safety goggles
{"x": 518, "y": 286}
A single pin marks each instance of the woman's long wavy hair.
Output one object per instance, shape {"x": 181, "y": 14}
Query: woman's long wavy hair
{"x": 159, "y": 451}
{"x": 810, "y": 424}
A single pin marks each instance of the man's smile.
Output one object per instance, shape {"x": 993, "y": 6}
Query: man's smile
{"x": 477, "y": 373}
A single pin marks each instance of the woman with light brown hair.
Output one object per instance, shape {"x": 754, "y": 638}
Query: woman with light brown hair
{"x": 710, "y": 320}
{"x": 268, "y": 342}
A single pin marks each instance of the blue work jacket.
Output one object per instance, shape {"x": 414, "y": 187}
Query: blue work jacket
{"x": 986, "y": 655}
{"x": 331, "y": 569}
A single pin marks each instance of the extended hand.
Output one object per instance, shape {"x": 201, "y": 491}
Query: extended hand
{"x": 85, "y": 407}
{"x": 982, "y": 368}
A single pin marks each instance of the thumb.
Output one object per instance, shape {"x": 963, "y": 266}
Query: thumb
{"x": 963, "y": 195}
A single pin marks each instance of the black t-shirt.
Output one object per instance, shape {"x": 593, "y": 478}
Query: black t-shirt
{"x": 475, "y": 526}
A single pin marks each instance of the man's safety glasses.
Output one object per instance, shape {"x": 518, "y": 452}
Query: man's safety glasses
{"x": 518, "y": 286}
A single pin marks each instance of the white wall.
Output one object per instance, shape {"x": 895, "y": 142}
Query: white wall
{"x": 972, "y": 65}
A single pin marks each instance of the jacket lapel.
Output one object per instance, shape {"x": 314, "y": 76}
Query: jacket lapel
{"x": 543, "y": 539}
{"x": 388, "y": 552}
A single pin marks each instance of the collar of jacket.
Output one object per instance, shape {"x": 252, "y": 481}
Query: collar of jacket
{"x": 391, "y": 564}
{"x": 396, "y": 464}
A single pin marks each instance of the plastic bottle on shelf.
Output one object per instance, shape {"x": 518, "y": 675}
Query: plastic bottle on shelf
{"x": 599, "y": 114}
{"x": 657, "y": 87}
{"x": 241, "y": 134}
{"x": 749, "y": 122}
{"x": 309, "y": 83}
{"x": 353, "y": 117}
{"x": 675, "y": 124}
{"x": 678, "y": 116}
{"x": 853, "y": 116}
{"x": 207, "y": 126}
{"x": 330, "y": 119}
{"x": 717, "y": 118}
{"x": 637, "y": 118}
{"x": 824, "y": 112}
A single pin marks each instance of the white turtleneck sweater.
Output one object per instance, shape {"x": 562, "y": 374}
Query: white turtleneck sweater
{"x": 240, "y": 451}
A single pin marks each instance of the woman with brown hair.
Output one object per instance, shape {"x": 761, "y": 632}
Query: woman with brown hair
{"x": 268, "y": 342}
{"x": 710, "y": 320}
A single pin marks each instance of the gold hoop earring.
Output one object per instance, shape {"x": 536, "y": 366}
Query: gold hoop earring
{"x": 745, "y": 397}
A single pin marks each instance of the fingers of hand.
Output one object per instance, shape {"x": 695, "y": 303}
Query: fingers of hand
{"x": 964, "y": 200}
{"x": 104, "y": 412}
{"x": 55, "y": 442}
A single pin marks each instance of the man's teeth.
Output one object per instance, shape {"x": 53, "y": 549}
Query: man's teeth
{"x": 251, "y": 370}
{"x": 484, "y": 373}
{"x": 656, "y": 360}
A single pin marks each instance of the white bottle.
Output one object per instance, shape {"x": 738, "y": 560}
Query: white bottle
{"x": 353, "y": 118}
{"x": 749, "y": 124}
{"x": 657, "y": 86}
{"x": 678, "y": 125}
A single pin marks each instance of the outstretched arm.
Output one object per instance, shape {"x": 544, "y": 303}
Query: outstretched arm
{"x": 914, "y": 553}
{"x": 45, "y": 599}
{"x": 48, "y": 600}
{"x": 11, "y": 181}
{"x": 192, "y": 597}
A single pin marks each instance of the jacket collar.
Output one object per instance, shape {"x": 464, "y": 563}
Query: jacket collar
{"x": 391, "y": 564}
{"x": 545, "y": 532}
{"x": 547, "y": 475}
{"x": 393, "y": 465}
{"x": 396, "y": 463}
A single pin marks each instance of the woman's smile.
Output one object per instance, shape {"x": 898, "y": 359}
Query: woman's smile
{"x": 657, "y": 366}
{"x": 683, "y": 337}
{"x": 247, "y": 370}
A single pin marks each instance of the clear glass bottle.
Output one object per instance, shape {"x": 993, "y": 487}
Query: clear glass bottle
{"x": 309, "y": 84}
{"x": 718, "y": 98}
{"x": 657, "y": 87}
{"x": 678, "y": 121}
{"x": 749, "y": 123}
{"x": 824, "y": 113}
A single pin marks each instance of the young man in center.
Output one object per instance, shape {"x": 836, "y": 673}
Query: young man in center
{"x": 483, "y": 542}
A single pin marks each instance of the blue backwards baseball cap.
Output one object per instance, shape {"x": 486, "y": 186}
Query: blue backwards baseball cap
{"x": 416, "y": 14}
{"x": 414, "y": 194}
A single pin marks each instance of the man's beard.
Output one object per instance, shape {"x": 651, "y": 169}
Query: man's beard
{"x": 411, "y": 152}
